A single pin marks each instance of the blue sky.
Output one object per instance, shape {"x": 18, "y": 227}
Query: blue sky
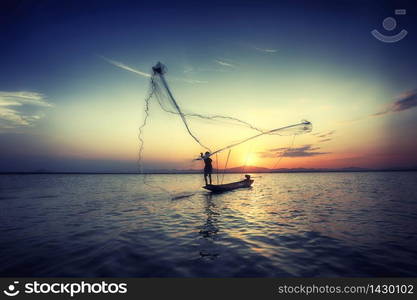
{"x": 68, "y": 101}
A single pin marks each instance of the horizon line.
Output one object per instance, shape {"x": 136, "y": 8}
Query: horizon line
{"x": 299, "y": 170}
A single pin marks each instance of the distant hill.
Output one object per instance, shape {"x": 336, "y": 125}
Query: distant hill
{"x": 241, "y": 169}
{"x": 255, "y": 169}
{"x": 298, "y": 170}
{"x": 247, "y": 169}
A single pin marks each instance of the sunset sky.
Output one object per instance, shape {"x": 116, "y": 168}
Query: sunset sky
{"x": 74, "y": 77}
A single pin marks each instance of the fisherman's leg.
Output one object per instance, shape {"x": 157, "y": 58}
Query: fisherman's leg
{"x": 205, "y": 178}
{"x": 209, "y": 177}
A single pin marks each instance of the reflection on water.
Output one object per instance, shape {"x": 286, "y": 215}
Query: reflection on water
{"x": 328, "y": 224}
{"x": 209, "y": 230}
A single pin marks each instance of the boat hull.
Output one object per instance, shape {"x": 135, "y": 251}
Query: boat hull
{"x": 218, "y": 188}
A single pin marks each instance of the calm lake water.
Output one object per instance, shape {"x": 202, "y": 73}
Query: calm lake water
{"x": 306, "y": 224}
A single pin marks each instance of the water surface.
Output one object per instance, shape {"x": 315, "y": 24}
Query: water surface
{"x": 305, "y": 224}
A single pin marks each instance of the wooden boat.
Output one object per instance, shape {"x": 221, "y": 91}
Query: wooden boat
{"x": 218, "y": 188}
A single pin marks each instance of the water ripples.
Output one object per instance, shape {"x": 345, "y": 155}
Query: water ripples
{"x": 328, "y": 224}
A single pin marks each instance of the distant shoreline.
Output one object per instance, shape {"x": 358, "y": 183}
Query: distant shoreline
{"x": 197, "y": 172}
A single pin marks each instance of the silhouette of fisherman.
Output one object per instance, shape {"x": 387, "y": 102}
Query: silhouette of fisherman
{"x": 208, "y": 168}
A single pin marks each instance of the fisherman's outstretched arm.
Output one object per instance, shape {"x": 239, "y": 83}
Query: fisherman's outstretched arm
{"x": 200, "y": 158}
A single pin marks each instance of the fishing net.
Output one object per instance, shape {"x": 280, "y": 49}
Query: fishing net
{"x": 161, "y": 93}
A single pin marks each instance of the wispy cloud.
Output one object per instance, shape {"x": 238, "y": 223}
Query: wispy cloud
{"x": 193, "y": 70}
{"x": 192, "y": 81}
{"x": 325, "y": 140}
{"x": 324, "y": 134}
{"x": 266, "y": 50}
{"x": 144, "y": 74}
{"x": 224, "y": 63}
{"x": 21, "y": 109}
{"x": 405, "y": 101}
{"x": 126, "y": 67}
{"x": 303, "y": 151}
